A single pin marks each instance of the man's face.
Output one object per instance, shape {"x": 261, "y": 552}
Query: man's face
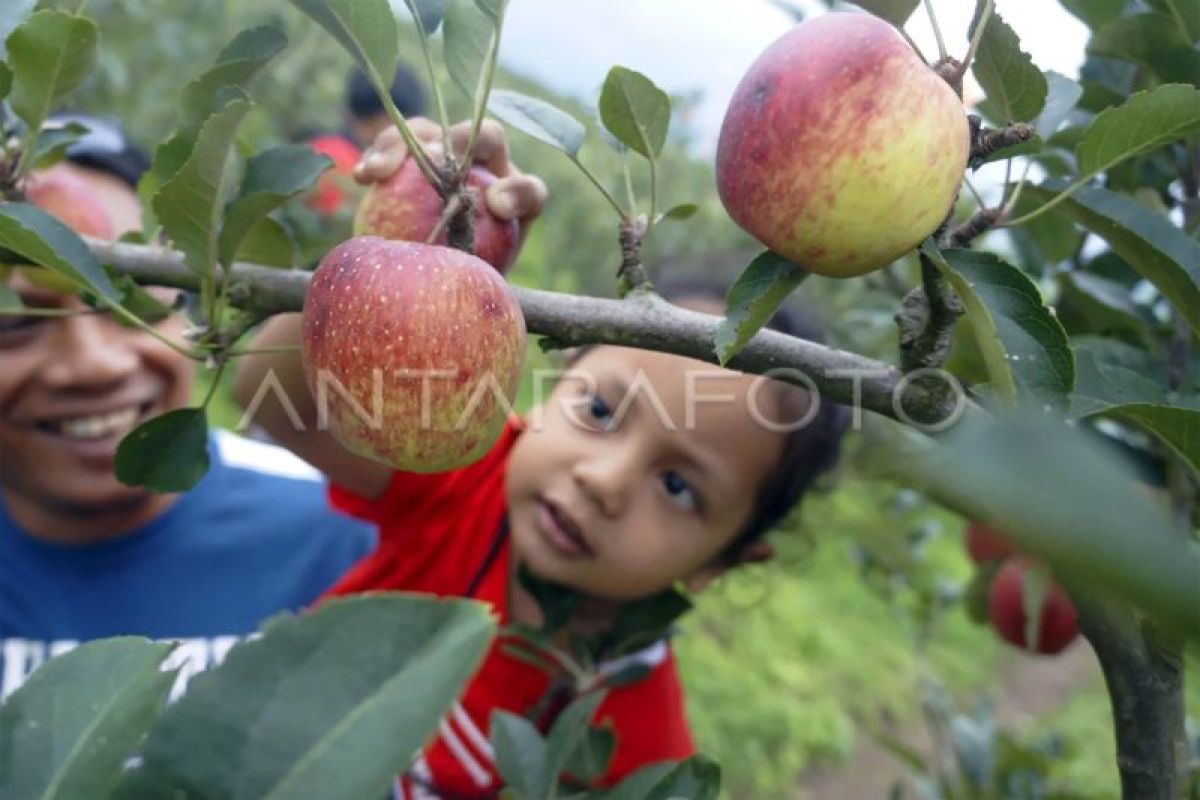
{"x": 605, "y": 497}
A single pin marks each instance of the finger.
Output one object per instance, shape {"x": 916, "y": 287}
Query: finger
{"x": 425, "y": 130}
{"x": 491, "y": 146}
{"x": 517, "y": 197}
{"x": 388, "y": 151}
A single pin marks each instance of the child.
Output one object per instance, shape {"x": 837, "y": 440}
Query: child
{"x": 641, "y": 471}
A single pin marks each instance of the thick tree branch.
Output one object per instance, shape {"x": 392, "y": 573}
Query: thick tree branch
{"x": 640, "y": 320}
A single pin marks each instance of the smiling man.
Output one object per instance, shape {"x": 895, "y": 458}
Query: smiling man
{"x": 83, "y": 556}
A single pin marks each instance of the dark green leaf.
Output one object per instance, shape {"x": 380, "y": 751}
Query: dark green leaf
{"x": 896, "y": 12}
{"x": 1185, "y": 14}
{"x": 1053, "y": 234}
{"x": 1153, "y": 40}
{"x": 1176, "y": 427}
{"x": 166, "y": 454}
{"x": 68, "y": 731}
{"x": 557, "y": 603}
{"x": 638, "y": 785}
{"x": 428, "y": 13}
{"x": 6, "y": 78}
{"x": 49, "y": 54}
{"x": 52, "y": 143}
{"x": 271, "y": 178}
{"x": 1097, "y": 305}
{"x": 140, "y": 303}
{"x": 1007, "y": 73}
{"x": 236, "y": 65}
{"x": 268, "y": 243}
{"x": 681, "y": 211}
{"x": 1063, "y": 498}
{"x": 698, "y": 778}
{"x": 538, "y": 119}
{"x": 1160, "y": 252}
{"x": 641, "y": 623}
{"x": 635, "y": 111}
{"x": 520, "y": 755}
{"x": 569, "y": 732}
{"x": 35, "y": 235}
{"x": 330, "y": 703}
{"x": 189, "y": 205}
{"x": 12, "y": 14}
{"x": 1147, "y": 120}
{"x": 368, "y": 29}
{"x": 592, "y": 758}
{"x": 1018, "y": 335}
{"x": 1061, "y": 98}
{"x": 467, "y": 37}
{"x": 1095, "y": 13}
{"x": 754, "y": 297}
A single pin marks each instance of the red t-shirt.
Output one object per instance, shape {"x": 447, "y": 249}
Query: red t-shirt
{"x": 444, "y": 534}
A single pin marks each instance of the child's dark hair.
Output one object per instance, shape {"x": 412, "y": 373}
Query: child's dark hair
{"x": 406, "y": 91}
{"x": 808, "y": 451}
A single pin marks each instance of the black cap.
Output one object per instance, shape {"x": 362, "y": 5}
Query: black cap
{"x": 406, "y": 91}
{"x": 103, "y": 147}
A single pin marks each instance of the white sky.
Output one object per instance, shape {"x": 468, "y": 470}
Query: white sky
{"x": 706, "y": 45}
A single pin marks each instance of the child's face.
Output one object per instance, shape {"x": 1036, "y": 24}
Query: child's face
{"x": 605, "y": 497}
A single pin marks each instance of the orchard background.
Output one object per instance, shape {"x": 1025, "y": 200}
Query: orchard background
{"x": 853, "y": 652}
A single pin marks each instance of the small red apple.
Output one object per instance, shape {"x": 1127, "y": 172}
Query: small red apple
{"x": 71, "y": 199}
{"x": 413, "y": 352}
{"x": 328, "y": 196}
{"x": 1058, "y": 624}
{"x": 404, "y": 206}
{"x": 984, "y": 543}
{"x": 841, "y": 150}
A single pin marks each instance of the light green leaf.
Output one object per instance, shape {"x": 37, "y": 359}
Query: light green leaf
{"x": 236, "y": 65}
{"x": 271, "y": 178}
{"x": 269, "y": 244}
{"x": 569, "y": 731}
{"x": 52, "y": 143}
{"x": 635, "y": 111}
{"x": 1034, "y": 583}
{"x": 68, "y": 731}
{"x": 1185, "y": 14}
{"x": 189, "y": 205}
{"x": 467, "y": 35}
{"x": 168, "y": 453}
{"x": 331, "y": 703}
{"x": 520, "y": 755}
{"x": 1007, "y": 73}
{"x": 680, "y": 212}
{"x": 1160, "y": 252}
{"x": 12, "y": 14}
{"x": 1146, "y": 121}
{"x": 368, "y": 29}
{"x": 9, "y": 300}
{"x": 49, "y": 54}
{"x": 1061, "y": 98}
{"x": 1023, "y": 344}
{"x": 538, "y": 119}
{"x": 896, "y": 12}
{"x": 1154, "y": 40}
{"x": 754, "y": 297}
{"x": 6, "y": 78}
{"x": 1176, "y": 427}
{"x": 35, "y": 235}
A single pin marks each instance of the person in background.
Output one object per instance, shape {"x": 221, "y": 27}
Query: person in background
{"x": 83, "y": 556}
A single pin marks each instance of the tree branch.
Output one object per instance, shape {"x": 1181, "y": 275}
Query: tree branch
{"x": 642, "y": 319}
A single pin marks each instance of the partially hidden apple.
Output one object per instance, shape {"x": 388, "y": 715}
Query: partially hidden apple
{"x": 840, "y": 149}
{"x": 984, "y": 543}
{"x": 405, "y": 207}
{"x": 69, "y": 198}
{"x": 413, "y": 352}
{"x": 329, "y": 196}
{"x": 1058, "y": 623}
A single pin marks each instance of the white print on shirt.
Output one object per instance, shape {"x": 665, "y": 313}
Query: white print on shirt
{"x": 20, "y": 657}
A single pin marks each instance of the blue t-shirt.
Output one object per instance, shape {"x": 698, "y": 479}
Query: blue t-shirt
{"x": 256, "y": 536}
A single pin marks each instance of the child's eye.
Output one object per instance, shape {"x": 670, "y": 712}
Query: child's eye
{"x": 680, "y": 492}
{"x": 600, "y": 411}
{"x": 13, "y": 326}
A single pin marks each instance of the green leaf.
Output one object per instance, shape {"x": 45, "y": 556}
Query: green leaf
{"x": 638, "y": 785}
{"x": 67, "y": 732}
{"x": 1007, "y": 73}
{"x": 12, "y": 14}
{"x": 271, "y": 178}
{"x": 1176, "y": 427}
{"x": 1160, "y": 252}
{"x": 640, "y": 623}
{"x": 1185, "y": 14}
{"x": 168, "y": 453}
{"x": 1096, "y": 304}
{"x": 1147, "y": 120}
{"x": 1095, "y": 13}
{"x": 1154, "y": 40}
{"x": 1102, "y": 385}
{"x": 591, "y": 759}
{"x": 467, "y": 37}
{"x": 1021, "y": 340}
{"x": 569, "y": 732}
{"x": 49, "y": 54}
{"x": 428, "y": 13}
{"x": 1061, "y": 98}
{"x": 754, "y": 297}
{"x": 1065, "y": 499}
{"x": 698, "y": 778}
{"x": 268, "y": 243}
{"x": 51, "y": 146}
{"x": 1034, "y": 582}
{"x": 330, "y": 703}
{"x": 538, "y": 119}
{"x": 236, "y": 65}
{"x": 9, "y": 300}
{"x": 520, "y": 755}
{"x": 6, "y": 79}
{"x": 368, "y": 29}
{"x": 140, "y": 303}
{"x": 35, "y": 235}
{"x": 189, "y": 205}
{"x": 896, "y": 12}
{"x": 680, "y": 212}
{"x": 635, "y": 111}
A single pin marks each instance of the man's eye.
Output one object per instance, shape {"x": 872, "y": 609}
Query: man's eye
{"x": 14, "y": 324}
{"x": 680, "y": 492}
{"x": 600, "y": 411}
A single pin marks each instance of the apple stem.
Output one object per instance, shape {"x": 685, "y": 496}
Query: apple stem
{"x": 632, "y": 275}
{"x": 976, "y": 37}
{"x": 460, "y": 229}
{"x": 937, "y": 31}
{"x": 448, "y": 212}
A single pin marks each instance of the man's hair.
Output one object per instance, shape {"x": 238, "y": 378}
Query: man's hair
{"x": 104, "y": 147}
{"x": 407, "y": 93}
{"x": 808, "y": 451}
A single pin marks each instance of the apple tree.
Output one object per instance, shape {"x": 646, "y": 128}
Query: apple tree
{"x": 1046, "y": 337}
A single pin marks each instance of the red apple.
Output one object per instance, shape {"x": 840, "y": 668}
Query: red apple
{"x": 405, "y": 207}
{"x": 841, "y": 150}
{"x": 425, "y": 341}
{"x": 1057, "y": 626}
{"x": 328, "y": 196}
{"x": 984, "y": 543}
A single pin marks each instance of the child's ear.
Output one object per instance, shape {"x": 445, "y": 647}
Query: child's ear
{"x": 756, "y": 552}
